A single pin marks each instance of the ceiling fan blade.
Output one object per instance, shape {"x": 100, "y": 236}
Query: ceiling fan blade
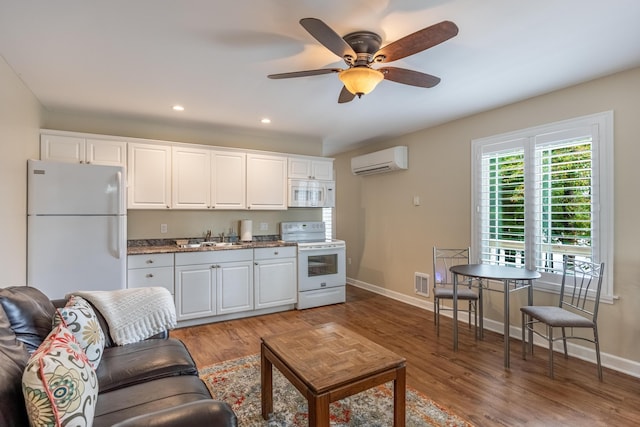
{"x": 409, "y": 77}
{"x": 304, "y": 73}
{"x": 417, "y": 42}
{"x": 328, "y": 38}
{"x": 345, "y": 96}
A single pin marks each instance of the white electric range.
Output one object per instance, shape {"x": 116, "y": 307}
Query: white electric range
{"x": 321, "y": 264}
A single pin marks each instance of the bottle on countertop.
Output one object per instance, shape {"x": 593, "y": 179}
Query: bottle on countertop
{"x": 233, "y": 237}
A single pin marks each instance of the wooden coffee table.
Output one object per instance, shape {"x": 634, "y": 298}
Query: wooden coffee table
{"x": 328, "y": 363}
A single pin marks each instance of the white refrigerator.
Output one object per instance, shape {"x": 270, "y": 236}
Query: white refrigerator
{"x": 76, "y": 227}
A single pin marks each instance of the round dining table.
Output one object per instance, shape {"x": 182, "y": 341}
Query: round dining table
{"x": 512, "y": 278}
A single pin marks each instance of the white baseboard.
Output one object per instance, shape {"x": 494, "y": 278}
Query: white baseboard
{"x": 629, "y": 367}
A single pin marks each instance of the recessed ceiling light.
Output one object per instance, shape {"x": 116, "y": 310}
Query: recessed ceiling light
{"x": 265, "y": 121}
{"x": 178, "y": 108}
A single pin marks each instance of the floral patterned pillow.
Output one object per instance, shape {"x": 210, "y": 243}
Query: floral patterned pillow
{"x": 59, "y": 385}
{"x": 78, "y": 316}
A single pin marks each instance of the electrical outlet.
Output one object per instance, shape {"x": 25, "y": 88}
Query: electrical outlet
{"x": 163, "y": 228}
{"x": 349, "y": 260}
{"x": 264, "y": 226}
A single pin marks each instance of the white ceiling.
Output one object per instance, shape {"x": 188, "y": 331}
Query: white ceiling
{"x": 139, "y": 57}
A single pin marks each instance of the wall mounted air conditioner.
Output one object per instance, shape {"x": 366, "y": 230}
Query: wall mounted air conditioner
{"x": 388, "y": 160}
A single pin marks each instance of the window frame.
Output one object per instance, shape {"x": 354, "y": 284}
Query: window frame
{"x": 601, "y": 125}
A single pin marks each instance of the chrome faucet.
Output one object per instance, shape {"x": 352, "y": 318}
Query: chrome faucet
{"x": 222, "y": 237}
{"x": 207, "y": 236}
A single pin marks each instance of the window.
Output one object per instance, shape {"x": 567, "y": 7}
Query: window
{"x": 544, "y": 192}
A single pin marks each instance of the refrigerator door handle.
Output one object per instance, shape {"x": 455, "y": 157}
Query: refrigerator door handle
{"x": 119, "y": 231}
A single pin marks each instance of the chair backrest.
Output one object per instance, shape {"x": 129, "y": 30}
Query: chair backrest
{"x": 580, "y": 280}
{"x": 443, "y": 260}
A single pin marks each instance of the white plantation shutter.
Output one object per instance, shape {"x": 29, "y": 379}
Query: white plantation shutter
{"x": 565, "y": 211}
{"x": 502, "y": 207}
{"x": 544, "y": 192}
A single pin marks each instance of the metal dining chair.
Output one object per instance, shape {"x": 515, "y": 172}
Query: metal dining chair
{"x": 443, "y": 260}
{"x": 581, "y": 281}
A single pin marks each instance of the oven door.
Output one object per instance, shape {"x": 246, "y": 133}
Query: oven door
{"x": 320, "y": 268}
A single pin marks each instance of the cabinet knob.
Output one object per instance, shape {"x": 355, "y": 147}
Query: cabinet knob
{"x": 275, "y": 252}
{"x": 149, "y": 261}
{"x": 255, "y": 263}
{"x": 149, "y": 276}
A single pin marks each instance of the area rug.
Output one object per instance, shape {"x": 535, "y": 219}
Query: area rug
{"x": 237, "y": 382}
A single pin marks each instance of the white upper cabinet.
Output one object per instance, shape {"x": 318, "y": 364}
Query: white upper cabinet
{"x": 228, "y": 180}
{"x": 149, "y": 176}
{"x": 266, "y": 182}
{"x": 174, "y": 175}
{"x": 207, "y": 179}
{"x": 191, "y": 178}
{"x": 306, "y": 168}
{"x": 77, "y": 149}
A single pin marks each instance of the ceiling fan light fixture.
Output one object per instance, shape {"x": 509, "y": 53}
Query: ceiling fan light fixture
{"x": 360, "y": 80}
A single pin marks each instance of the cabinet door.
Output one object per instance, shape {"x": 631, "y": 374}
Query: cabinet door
{"x": 195, "y": 291}
{"x": 275, "y": 282}
{"x": 235, "y": 287}
{"x": 191, "y": 178}
{"x": 105, "y": 152}
{"x": 322, "y": 169}
{"x": 266, "y": 182}
{"x": 306, "y": 168}
{"x": 60, "y": 148}
{"x": 299, "y": 168}
{"x": 149, "y": 176}
{"x": 228, "y": 180}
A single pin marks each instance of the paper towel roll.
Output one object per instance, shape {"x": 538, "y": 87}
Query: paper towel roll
{"x": 246, "y": 227}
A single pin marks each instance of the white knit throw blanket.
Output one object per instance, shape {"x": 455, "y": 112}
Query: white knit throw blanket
{"x": 134, "y": 314}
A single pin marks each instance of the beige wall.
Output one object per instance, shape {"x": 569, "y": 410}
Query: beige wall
{"x": 388, "y": 239}
{"x": 19, "y": 130}
{"x": 146, "y": 224}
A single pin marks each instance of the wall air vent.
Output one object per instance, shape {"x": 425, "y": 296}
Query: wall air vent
{"x": 421, "y": 284}
{"x": 388, "y": 160}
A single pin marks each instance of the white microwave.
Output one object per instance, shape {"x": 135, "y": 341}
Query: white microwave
{"x": 311, "y": 193}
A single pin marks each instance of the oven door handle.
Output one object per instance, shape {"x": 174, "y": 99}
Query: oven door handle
{"x": 319, "y": 248}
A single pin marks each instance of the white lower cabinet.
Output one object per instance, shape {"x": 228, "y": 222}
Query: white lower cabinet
{"x": 150, "y": 270}
{"x": 213, "y": 282}
{"x": 275, "y": 276}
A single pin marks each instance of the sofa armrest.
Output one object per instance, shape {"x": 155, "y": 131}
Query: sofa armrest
{"x": 198, "y": 413}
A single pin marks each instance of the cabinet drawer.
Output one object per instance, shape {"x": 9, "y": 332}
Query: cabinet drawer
{"x": 144, "y": 277}
{"x": 150, "y": 260}
{"x": 277, "y": 252}
{"x": 214, "y": 256}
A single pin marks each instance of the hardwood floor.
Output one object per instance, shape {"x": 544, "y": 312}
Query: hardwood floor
{"x": 470, "y": 382}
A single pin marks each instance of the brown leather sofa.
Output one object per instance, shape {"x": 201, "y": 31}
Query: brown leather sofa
{"x": 150, "y": 383}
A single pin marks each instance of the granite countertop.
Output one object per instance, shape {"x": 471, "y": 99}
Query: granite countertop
{"x": 165, "y": 246}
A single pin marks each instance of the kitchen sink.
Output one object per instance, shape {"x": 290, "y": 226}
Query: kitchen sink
{"x": 190, "y": 245}
{"x": 209, "y": 244}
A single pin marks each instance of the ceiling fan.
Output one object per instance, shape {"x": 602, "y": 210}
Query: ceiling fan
{"x": 361, "y": 49}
